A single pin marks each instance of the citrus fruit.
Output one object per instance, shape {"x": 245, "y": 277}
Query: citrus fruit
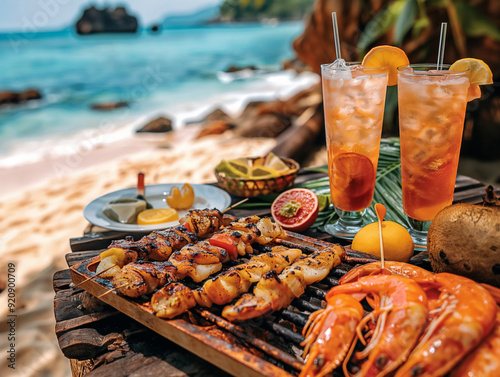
{"x": 262, "y": 172}
{"x": 157, "y": 216}
{"x": 295, "y": 209}
{"x": 181, "y": 198}
{"x": 352, "y": 178}
{"x": 233, "y": 168}
{"x": 386, "y": 56}
{"x": 323, "y": 202}
{"x": 479, "y": 72}
{"x": 398, "y": 244}
{"x": 274, "y": 162}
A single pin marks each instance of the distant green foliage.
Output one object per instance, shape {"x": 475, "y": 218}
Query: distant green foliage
{"x": 243, "y": 10}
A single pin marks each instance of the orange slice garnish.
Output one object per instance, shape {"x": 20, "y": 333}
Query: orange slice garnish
{"x": 479, "y": 72}
{"x": 386, "y": 56}
{"x": 353, "y": 171}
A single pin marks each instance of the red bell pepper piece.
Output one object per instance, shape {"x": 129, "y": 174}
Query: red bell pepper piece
{"x": 226, "y": 242}
{"x": 187, "y": 225}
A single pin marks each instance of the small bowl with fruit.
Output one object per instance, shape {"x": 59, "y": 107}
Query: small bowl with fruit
{"x": 253, "y": 176}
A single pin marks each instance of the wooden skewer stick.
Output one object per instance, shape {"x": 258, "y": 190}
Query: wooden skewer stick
{"x": 380, "y": 210}
{"x": 94, "y": 276}
{"x": 112, "y": 290}
{"x": 235, "y": 205}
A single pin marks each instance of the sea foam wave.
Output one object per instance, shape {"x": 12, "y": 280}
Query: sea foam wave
{"x": 269, "y": 86}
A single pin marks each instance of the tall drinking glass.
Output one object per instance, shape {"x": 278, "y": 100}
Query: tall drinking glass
{"x": 353, "y": 99}
{"x": 431, "y": 119}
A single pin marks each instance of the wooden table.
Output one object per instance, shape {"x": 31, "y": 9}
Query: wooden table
{"x": 100, "y": 341}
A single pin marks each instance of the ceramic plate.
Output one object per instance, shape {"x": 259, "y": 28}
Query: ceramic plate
{"x": 206, "y": 196}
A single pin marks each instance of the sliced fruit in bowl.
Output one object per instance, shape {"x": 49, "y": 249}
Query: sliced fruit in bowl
{"x": 253, "y": 176}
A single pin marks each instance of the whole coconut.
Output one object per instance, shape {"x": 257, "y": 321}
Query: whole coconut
{"x": 465, "y": 239}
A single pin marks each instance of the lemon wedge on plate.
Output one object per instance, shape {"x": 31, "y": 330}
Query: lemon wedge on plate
{"x": 157, "y": 216}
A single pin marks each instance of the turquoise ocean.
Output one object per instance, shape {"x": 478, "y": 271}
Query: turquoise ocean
{"x": 175, "y": 73}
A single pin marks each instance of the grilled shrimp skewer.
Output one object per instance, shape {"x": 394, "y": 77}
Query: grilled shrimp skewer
{"x": 225, "y": 245}
{"x": 275, "y": 292}
{"x": 159, "y": 245}
{"x": 200, "y": 260}
{"x": 140, "y": 278}
{"x": 174, "y": 299}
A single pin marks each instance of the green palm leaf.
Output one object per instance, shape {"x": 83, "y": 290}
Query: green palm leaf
{"x": 387, "y": 188}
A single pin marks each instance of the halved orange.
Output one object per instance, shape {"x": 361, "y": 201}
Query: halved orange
{"x": 353, "y": 172}
{"x": 479, "y": 72}
{"x": 386, "y": 56}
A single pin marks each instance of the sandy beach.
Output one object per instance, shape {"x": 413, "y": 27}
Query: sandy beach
{"x": 41, "y": 207}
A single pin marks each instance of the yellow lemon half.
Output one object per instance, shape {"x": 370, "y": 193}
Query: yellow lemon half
{"x": 157, "y": 216}
{"x": 398, "y": 244}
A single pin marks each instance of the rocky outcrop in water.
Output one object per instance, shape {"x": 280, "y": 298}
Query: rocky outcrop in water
{"x": 10, "y": 97}
{"x": 160, "y": 124}
{"x": 106, "y": 20}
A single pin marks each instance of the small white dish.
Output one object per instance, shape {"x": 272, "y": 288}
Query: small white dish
{"x": 206, "y": 196}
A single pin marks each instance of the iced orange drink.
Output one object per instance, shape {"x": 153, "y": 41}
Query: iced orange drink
{"x": 431, "y": 118}
{"x": 354, "y": 102}
{"x": 354, "y": 99}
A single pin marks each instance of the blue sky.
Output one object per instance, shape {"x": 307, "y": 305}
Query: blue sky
{"x": 19, "y": 15}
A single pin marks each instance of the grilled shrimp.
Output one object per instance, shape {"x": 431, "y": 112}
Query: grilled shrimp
{"x": 224, "y": 287}
{"x": 484, "y": 361}
{"x": 238, "y": 279}
{"x": 204, "y": 221}
{"x": 328, "y": 335}
{"x": 199, "y": 260}
{"x": 140, "y": 278}
{"x": 172, "y": 298}
{"x": 160, "y": 244}
{"x": 467, "y": 315}
{"x": 275, "y": 292}
{"x": 267, "y": 230}
{"x": 400, "y": 320}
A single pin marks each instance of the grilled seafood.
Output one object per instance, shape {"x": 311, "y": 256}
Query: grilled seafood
{"x": 484, "y": 361}
{"x": 226, "y": 286}
{"x": 400, "y": 317}
{"x": 205, "y": 221}
{"x": 329, "y": 333}
{"x": 468, "y": 313}
{"x": 140, "y": 278}
{"x": 275, "y": 292}
{"x": 173, "y": 297}
{"x": 199, "y": 260}
{"x": 390, "y": 267}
